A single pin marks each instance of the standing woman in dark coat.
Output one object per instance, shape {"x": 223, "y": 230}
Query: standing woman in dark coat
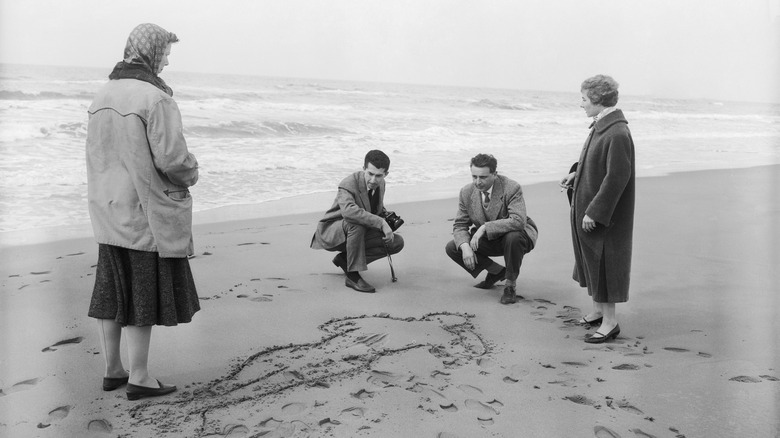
{"x": 602, "y": 208}
{"x": 138, "y": 174}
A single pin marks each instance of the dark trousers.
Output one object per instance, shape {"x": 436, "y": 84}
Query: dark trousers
{"x": 365, "y": 245}
{"x": 512, "y": 245}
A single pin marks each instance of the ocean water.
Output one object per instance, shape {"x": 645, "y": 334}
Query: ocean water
{"x": 259, "y": 139}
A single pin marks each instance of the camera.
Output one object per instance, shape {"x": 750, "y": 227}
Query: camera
{"x": 393, "y": 220}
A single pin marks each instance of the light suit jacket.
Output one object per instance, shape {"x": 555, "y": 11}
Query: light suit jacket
{"x": 138, "y": 170}
{"x": 506, "y": 212}
{"x": 352, "y": 205}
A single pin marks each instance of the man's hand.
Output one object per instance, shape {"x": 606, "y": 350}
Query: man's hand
{"x": 388, "y": 233}
{"x": 588, "y": 224}
{"x": 475, "y": 238}
{"x": 469, "y": 258}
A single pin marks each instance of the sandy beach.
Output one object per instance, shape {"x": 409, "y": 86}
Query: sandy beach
{"x": 281, "y": 348}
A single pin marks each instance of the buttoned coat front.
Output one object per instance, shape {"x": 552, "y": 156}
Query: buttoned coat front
{"x": 506, "y": 212}
{"x": 604, "y": 189}
{"x": 352, "y": 204}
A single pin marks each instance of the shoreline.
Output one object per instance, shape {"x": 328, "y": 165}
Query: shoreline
{"x": 446, "y": 188}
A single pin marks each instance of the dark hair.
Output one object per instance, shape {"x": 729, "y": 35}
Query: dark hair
{"x": 485, "y": 160}
{"x": 379, "y": 159}
{"x": 601, "y": 90}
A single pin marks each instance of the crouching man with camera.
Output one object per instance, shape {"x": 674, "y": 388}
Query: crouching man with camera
{"x": 358, "y": 226}
{"x": 492, "y": 221}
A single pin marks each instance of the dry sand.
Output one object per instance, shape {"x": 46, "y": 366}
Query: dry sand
{"x": 282, "y": 349}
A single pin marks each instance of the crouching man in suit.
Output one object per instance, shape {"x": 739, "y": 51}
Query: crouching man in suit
{"x": 354, "y": 226}
{"x": 492, "y": 221}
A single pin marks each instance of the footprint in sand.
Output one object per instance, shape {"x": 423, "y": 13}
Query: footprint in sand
{"x": 293, "y": 408}
{"x": 24, "y": 385}
{"x": 362, "y": 394}
{"x": 575, "y": 364}
{"x": 54, "y": 416}
{"x": 75, "y": 340}
{"x": 676, "y": 349}
{"x": 516, "y": 373}
{"x": 770, "y": 378}
{"x": 626, "y": 367}
{"x": 447, "y": 435}
{"x": 639, "y": 433}
{"x": 449, "y": 408}
{"x": 472, "y": 391}
{"x": 745, "y": 379}
{"x": 261, "y": 299}
{"x": 582, "y": 400}
{"x": 40, "y": 272}
{"x": 626, "y": 406}
{"x": 483, "y": 410}
{"x": 100, "y": 426}
{"x": 603, "y": 432}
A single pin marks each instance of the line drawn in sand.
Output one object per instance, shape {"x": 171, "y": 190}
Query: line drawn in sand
{"x": 245, "y": 401}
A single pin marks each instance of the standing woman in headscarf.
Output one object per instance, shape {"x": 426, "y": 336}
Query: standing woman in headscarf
{"x": 602, "y": 206}
{"x": 138, "y": 172}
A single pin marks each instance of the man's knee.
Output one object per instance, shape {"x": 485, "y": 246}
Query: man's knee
{"x": 518, "y": 239}
{"x": 353, "y": 229}
{"x": 397, "y": 244}
{"x": 452, "y": 250}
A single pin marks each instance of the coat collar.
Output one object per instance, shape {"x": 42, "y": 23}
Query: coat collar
{"x": 608, "y": 120}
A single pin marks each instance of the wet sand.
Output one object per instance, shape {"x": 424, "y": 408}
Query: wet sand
{"x": 282, "y": 348}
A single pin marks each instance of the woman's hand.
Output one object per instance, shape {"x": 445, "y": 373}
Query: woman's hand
{"x": 567, "y": 181}
{"x": 588, "y": 224}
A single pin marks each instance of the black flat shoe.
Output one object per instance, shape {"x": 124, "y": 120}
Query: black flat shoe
{"x": 598, "y": 320}
{"x": 112, "y": 383}
{"x": 491, "y": 279}
{"x": 134, "y": 392}
{"x": 598, "y": 338}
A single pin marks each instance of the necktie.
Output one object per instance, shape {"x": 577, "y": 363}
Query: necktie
{"x": 487, "y": 199}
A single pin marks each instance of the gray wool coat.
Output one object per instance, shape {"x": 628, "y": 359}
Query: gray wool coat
{"x": 604, "y": 189}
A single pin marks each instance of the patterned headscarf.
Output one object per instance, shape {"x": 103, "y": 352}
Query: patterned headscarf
{"x": 146, "y": 44}
{"x": 143, "y": 55}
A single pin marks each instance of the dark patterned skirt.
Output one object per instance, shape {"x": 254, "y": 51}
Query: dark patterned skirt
{"x": 140, "y": 288}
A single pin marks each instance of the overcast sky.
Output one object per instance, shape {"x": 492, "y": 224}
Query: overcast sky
{"x": 716, "y": 49}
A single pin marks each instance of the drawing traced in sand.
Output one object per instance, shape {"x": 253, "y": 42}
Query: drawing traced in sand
{"x": 408, "y": 357}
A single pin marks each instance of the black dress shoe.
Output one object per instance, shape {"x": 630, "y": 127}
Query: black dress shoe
{"x": 509, "y": 297}
{"x": 112, "y": 383}
{"x": 598, "y": 338}
{"x": 341, "y": 261}
{"x": 491, "y": 279}
{"x": 598, "y": 320}
{"x": 134, "y": 392}
{"x": 360, "y": 285}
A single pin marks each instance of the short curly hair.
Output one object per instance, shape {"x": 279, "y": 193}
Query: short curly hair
{"x": 485, "y": 160}
{"x": 601, "y": 90}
